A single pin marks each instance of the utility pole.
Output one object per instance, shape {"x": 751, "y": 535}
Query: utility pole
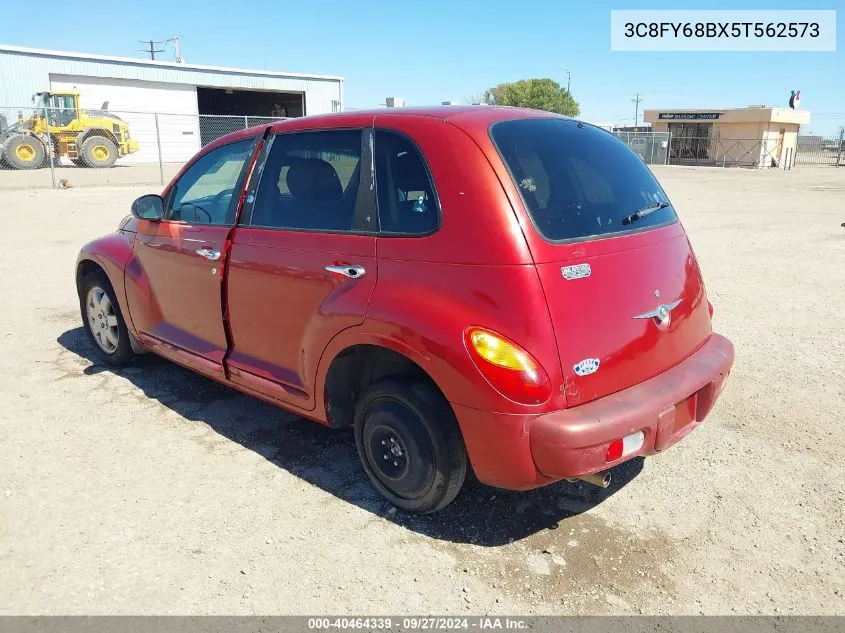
{"x": 152, "y": 50}
{"x": 636, "y": 101}
{"x": 177, "y": 48}
{"x": 568, "y": 78}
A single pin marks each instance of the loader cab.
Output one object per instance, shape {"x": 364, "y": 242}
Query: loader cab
{"x": 62, "y": 107}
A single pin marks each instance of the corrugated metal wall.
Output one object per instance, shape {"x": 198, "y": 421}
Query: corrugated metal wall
{"x": 22, "y": 74}
{"x": 135, "y": 102}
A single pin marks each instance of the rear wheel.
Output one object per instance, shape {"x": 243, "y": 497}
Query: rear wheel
{"x": 410, "y": 445}
{"x": 103, "y": 320}
{"x": 98, "y": 151}
{"x": 24, "y": 152}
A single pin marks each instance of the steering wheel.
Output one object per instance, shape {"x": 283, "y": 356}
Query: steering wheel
{"x": 195, "y": 206}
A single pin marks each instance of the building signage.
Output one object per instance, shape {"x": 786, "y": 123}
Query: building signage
{"x": 689, "y": 116}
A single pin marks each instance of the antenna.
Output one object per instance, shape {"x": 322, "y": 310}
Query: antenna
{"x": 177, "y": 49}
{"x": 152, "y": 50}
{"x": 636, "y": 101}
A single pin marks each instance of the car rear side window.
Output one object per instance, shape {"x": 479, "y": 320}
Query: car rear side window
{"x": 577, "y": 181}
{"x": 310, "y": 182}
{"x": 407, "y": 204}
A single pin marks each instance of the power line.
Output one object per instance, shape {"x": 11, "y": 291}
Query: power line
{"x": 636, "y": 101}
{"x": 152, "y": 50}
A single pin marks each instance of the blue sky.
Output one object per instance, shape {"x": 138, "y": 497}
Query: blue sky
{"x": 437, "y": 50}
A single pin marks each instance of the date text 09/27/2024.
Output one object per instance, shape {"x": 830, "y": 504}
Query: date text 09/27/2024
{"x": 417, "y": 623}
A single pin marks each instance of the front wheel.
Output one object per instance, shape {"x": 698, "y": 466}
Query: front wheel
{"x": 410, "y": 445}
{"x": 103, "y": 320}
{"x": 98, "y": 151}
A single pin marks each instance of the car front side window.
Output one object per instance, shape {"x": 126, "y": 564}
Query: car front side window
{"x": 204, "y": 193}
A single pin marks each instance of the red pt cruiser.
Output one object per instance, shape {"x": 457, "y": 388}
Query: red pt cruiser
{"x": 490, "y": 286}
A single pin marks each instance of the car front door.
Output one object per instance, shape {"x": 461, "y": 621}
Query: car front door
{"x": 302, "y": 265}
{"x": 174, "y": 281}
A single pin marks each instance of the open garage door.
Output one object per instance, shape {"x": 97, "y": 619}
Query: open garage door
{"x": 224, "y": 110}
{"x": 135, "y": 101}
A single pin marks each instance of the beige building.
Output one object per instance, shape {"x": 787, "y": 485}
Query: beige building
{"x": 756, "y": 136}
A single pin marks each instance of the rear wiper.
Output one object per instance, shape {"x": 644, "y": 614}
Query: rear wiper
{"x": 636, "y": 215}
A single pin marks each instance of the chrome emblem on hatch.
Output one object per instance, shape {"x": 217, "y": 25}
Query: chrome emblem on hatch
{"x": 578, "y": 271}
{"x": 587, "y": 366}
{"x": 661, "y": 314}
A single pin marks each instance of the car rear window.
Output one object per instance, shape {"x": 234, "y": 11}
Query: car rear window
{"x": 578, "y": 181}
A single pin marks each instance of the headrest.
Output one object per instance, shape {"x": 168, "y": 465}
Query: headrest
{"x": 408, "y": 172}
{"x": 313, "y": 179}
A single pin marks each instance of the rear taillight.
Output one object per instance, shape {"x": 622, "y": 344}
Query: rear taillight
{"x": 508, "y": 367}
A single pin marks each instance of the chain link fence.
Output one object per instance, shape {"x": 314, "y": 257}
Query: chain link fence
{"x": 659, "y": 148}
{"x": 820, "y": 150}
{"x": 52, "y": 147}
{"x": 103, "y": 147}
{"x": 651, "y": 147}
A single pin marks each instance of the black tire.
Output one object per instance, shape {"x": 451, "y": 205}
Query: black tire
{"x": 98, "y": 151}
{"x": 412, "y": 423}
{"x": 23, "y": 151}
{"x": 122, "y": 353}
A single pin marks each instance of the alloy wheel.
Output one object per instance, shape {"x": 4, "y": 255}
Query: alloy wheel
{"x": 102, "y": 319}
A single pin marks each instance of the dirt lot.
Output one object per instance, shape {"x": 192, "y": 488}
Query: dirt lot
{"x": 121, "y": 174}
{"x": 152, "y": 490}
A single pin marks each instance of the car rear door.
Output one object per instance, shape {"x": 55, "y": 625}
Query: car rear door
{"x": 302, "y": 265}
{"x": 623, "y": 287}
{"x": 173, "y": 283}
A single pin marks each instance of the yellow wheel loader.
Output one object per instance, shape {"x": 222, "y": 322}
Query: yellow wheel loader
{"x": 89, "y": 138}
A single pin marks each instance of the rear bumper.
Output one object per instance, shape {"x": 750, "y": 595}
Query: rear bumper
{"x": 665, "y": 408}
{"x": 526, "y": 451}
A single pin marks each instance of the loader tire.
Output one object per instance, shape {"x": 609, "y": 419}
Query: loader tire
{"x": 98, "y": 151}
{"x": 24, "y": 152}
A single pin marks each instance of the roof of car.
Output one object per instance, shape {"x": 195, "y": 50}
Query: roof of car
{"x": 448, "y": 112}
{"x": 438, "y": 112}
{"x": 459, "y": 115}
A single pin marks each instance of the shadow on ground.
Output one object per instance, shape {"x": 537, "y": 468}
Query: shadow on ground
{"x": 327, "y": 458}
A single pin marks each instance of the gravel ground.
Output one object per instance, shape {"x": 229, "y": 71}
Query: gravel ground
{"x": 147, "y": 174}
{"x": 153, "y": 490}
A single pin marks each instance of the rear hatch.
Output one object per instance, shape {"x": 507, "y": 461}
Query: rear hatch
{"x": 622, "y": 284}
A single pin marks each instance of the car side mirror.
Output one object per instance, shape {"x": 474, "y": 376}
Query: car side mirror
{"x": 149, "y": 207}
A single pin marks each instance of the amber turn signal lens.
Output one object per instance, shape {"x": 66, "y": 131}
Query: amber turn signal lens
{"x": 509, "y": 368}
{"x": 501, "y": 352}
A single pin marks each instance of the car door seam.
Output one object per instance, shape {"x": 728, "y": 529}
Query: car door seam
{"x": 225, "y": 255}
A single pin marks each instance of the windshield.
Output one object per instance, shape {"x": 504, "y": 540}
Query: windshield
{"x": 62, "y": 102}
{"x": 578, "y": 181}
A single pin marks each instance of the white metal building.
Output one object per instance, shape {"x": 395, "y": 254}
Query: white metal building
{"x": 178, "y": 93}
